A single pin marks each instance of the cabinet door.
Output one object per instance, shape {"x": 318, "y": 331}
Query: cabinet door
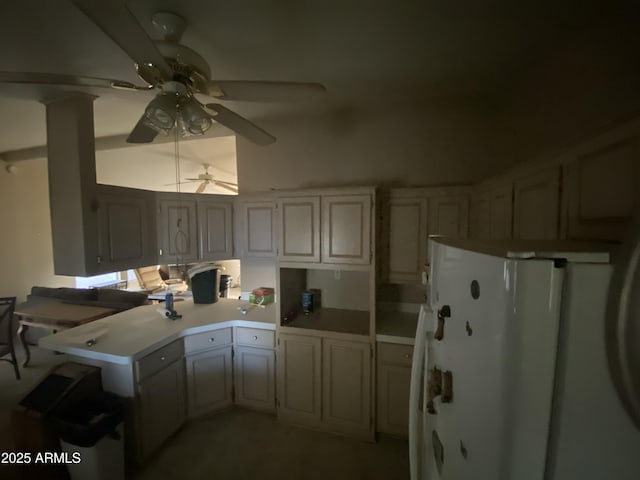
{"x": 406, "y": 227}
{"x": 602, "y": 188}
{"x": 299, "y": 378}
{"x": 299, "y": 229}
{"x": 258, "y": 229}
{"x": 346, "y": 229}
{"x": 449, "y": 216}
{"x": 537, "y": 205}
{"x": 215, "y": 236}
{"x": 126, "y": 228}
{"x": 346, "y": 385}
{"x": 255, "y": 378}
{"x": 178, "y": 241}
{"x": 479, "y": 215}
{"x": 393, "y": 398}
{"x": 161, "y": 406}
{"x": 209, "y": 380}
{"x": 501, "y": 212}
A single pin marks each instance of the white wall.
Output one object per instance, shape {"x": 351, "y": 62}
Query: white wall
{"x": 25, "y": 243}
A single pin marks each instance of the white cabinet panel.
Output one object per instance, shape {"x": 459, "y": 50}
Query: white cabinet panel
{"x": 177, "y": 234}
{"x": 126, "y": 224}
{"x": 537, "y": 205}
{"x": 299, "y": 229}
{"x": 299, "y": 378}
{"x": 501, "y": 212}
{"x": 602, "y": 189}
{"x": 258, "y": 229}
{"x": 215, "y": 235}
{"x": 480, "y": 215}
{"x": 346, "y": 229}
{"x": 394, "y": 378}
{"x": 449, "y": 216}
{"x": 161, "y": 406}
{"x": 209, "y": 377}
{"x": 346, "y": 384}
{"x": 255, "y": 378}
{"x": 406, "y": 227}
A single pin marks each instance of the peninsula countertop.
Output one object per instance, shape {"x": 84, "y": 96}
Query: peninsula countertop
{"x": 127, "y": 336}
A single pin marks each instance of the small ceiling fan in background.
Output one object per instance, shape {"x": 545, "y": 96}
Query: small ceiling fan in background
{"x": 177, "y": 72}
{"x": 207, "y": 179}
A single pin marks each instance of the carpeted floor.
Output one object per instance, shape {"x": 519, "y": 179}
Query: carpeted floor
{"x": 234, "y": 444}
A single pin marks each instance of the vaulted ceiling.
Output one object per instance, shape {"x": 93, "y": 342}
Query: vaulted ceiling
{"x": 387, "y": 53}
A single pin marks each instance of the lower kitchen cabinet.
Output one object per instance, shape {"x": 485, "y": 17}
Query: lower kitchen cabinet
{"x": 394, "y": 378}
{"x": 255, "y": 378}
{"x": 299, "y": 376}
{"x": 161, "y": 401}
{"x": 209, "y": 371}
{"x": 346, "y": 385}
{"x": 325, "y": 382}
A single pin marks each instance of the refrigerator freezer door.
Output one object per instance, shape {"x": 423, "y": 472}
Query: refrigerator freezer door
{"x": 499, "y": 344}
{"x": 417, "y": 445}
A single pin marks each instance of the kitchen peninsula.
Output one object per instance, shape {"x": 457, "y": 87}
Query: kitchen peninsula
{"x": 212, "y": 357}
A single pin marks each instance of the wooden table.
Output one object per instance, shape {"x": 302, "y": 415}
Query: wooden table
{"x": 54, "y": 315}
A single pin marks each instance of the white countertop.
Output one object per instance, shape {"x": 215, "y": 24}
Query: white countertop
{"x": 130, "y": 335}
{"x": 396, "y": 327}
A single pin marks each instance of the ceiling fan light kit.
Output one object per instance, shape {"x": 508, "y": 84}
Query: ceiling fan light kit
{"x": 178, "y": 71}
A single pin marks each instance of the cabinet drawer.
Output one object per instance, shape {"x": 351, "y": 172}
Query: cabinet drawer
{"x": 255, "y": 337}
{"x": 212, "y": 338}
{"x": 395, "y": 353}
{"x": 159, "y": 359}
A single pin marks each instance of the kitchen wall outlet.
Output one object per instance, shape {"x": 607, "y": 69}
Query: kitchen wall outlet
{"x": 337, "y": 275}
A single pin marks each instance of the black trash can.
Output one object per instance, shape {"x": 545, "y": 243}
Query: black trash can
{"x": 92, "y": 435}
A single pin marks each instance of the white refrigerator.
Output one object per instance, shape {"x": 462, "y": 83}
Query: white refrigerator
{"x": 520, "y": 387}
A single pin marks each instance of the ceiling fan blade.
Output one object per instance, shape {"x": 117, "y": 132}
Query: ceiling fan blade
{"x": 193, "y": 179}
{"x": 201, "y": 187}
{"x": 115, "y": 19}
{"x": 227, "y": 187}
{"x": 70, "y": 80}
{"x": 239, "y": 124}
{"x": 264, "y": 91}
{"x": 142, "y": 133}
{"x": 231, "y": 184}
{"x": 179, "y": 183}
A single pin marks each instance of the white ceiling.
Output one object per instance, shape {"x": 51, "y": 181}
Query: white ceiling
{"x": 390, "y": 53}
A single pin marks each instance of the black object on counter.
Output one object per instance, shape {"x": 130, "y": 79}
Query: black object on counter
{"x": 204, "y": 286}
{"x": 225, "y": 285}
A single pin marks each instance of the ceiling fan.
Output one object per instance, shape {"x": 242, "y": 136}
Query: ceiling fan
{"x": 207, "y": 179}
{"x": 178, "y": 72}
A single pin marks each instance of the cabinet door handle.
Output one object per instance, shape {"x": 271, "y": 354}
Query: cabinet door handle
{"x": 407, "y": 356}
{"x": 255, "y": 337}
{"x": 212, "y": 339}
{"x": 162, "y": 359}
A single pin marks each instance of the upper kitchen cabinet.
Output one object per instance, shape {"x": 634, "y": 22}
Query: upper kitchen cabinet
{"x": 177, "y": 228}
{"x": 602, "y": 184}
{"x": 491, "y": 212}
{"x": 299, "y": 230}
{"x": 410, "y": 215}
{"x": 536, "y": 205}
{"x": 332, "y": 226}
{"x": 449, "y": 215}
{"x": 257, "y": 228}
{"x": 215, "y": 234}
{"x": 405, "y": 235}
{"x": 346, "y": 229}
{"x": 126, "y": 228}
